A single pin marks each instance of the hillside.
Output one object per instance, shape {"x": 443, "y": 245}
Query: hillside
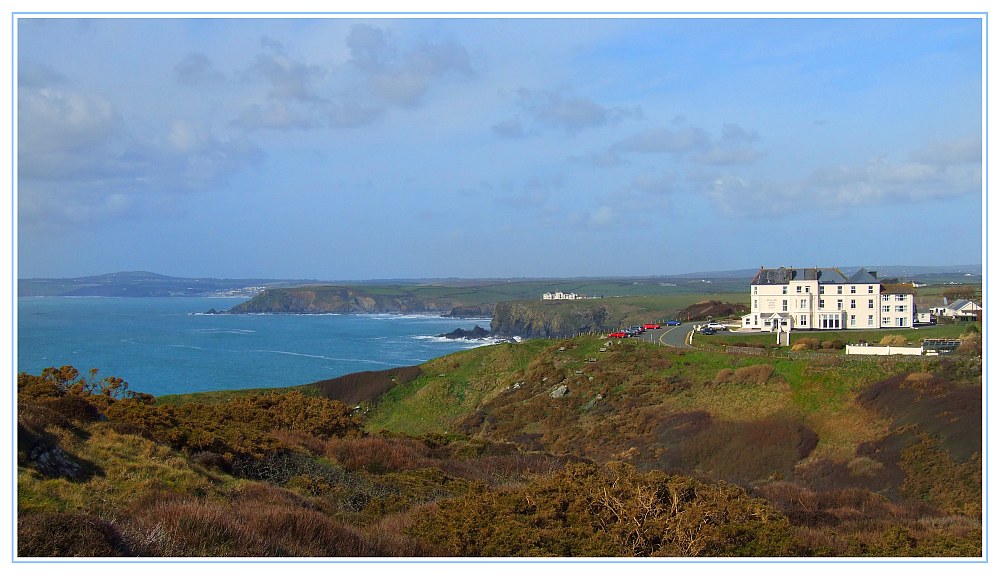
{"x": 848, "y": 450}
{"x": 571, "y": 447}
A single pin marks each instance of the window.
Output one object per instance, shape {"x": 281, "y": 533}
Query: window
{"x": 803, "y": 303}
{"x": 871, "y": 304}
{"x": 871, "y": 320}
{"x": 840, "y": 290}
{"x": 885, "y": 309}
{"x": 784, "y": 305}
{"x": 900, "y": 309}
{"x": 871, "y": 289}
{"x": 798, "y": 289}
{"x": 784, "y": 290}
{"x": 807, "y": 289}
{"x": 755, "y": 303}
{"x": 886, "y": 321}
{"x": 854, "y": 304}
{"x": 854, "y": 320}
{"x": 854, "y": 289}
{"x": 822, "y": 304}
{"x": 822, "y": 289}
{"x": 803, "y": 320}
{"x": 840, "y": 304}
{"x": 885, "y": 297}
{"x": 754, "y": 290}
{"x": 901, "y": 322}
{"x": 900, "y": 297}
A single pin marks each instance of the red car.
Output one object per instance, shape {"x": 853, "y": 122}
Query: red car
{"x": 651, "y": 325}
{"x": 617, "y": 334}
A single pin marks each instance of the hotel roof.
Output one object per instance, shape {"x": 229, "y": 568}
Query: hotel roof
{"x": 783, "y": 275}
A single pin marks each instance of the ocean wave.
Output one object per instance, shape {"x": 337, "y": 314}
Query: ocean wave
{"x": 468, "y": 343}
{"x": 316, "y": 356}
{"x": 232, "y": 330}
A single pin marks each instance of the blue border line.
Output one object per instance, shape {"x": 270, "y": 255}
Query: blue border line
{"x": 13, "y": 288}
{"x": 638, "y": 561}
{"x": 986, "y": 275}
{"x": 707, "y": 14}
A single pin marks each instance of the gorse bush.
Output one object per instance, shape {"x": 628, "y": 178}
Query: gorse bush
{"x": 616, "y": 511}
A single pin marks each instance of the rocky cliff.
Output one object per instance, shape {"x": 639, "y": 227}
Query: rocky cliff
{"x": 332, "y": 299}
{"x": 531, "y": 319}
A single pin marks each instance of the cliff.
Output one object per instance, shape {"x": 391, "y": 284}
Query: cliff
{"x": 532, "y": 319}
{"x": 335, "y": 299}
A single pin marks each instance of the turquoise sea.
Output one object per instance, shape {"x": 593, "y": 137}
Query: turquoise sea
{"x": 169, "y": 345}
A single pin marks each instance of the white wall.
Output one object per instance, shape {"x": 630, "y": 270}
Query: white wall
{"x": 882, "y": 350}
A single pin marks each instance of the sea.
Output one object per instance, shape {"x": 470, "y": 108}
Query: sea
{"x": 164, "y": 345}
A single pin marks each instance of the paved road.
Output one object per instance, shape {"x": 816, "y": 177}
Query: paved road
{"x": 674, "y": 335}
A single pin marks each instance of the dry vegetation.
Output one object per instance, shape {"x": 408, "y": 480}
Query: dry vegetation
{"x": 647, "y": 452}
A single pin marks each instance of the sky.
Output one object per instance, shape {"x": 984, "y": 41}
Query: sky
{"x": 344, "y": 148}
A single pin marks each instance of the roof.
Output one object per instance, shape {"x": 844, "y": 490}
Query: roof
{"x": 961, "y": 303}
{"x": 899, "y": 288}
{"x": 863, "y": 276}
{"x": 783, "y": 275}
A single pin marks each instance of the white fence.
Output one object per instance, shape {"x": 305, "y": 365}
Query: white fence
{"x": 882, "y": 350}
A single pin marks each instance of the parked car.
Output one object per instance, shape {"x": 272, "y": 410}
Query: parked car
{"x": 717, "y": 326}
{"x": 617, "y": 334}
{"x": 708, "y": 331}
{"x": 651, "y": 325}
{"x": 671, "y": 322}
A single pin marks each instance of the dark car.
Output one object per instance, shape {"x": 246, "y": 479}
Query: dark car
{"x": 708, "y": 331}
{"x": 671, "y": 322}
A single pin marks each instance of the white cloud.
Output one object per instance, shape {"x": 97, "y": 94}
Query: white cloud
{"x": 664, "y": 141}
{"x": 948, "y": 174}
{"x": 734, "y": 146}
{"x": 379, "y": 75}
{"x": 78, "y": 160}
{"x": 571, "y": 114}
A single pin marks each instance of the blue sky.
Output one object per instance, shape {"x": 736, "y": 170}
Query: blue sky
{"x": 342, "y": 148}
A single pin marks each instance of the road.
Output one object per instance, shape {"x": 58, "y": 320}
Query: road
{"x": 674, "y": 335}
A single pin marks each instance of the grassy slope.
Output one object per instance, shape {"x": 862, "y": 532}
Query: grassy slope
{"x": 636, "y": 381}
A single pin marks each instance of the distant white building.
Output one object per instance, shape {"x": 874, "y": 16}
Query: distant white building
{"x": 962, "y": 309}
{"x": 561, "y": 295}
{"x": 825, "y": 299}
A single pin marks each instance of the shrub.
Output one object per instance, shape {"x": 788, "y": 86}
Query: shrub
{"x": 832, "y": 344}
{"x": 893, "y": 340}
{"x": 376, "y": 454}
{"x": 68, "y": 535}
{"x": 806, "y": 343}
{"x": 756, "y": 374}
{"x": 724, "y": 375}
{"x": 618, "y": 511}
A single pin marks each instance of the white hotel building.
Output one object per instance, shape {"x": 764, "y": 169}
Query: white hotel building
{"x": 825, "y": 298}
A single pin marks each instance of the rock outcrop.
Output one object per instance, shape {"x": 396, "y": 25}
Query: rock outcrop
{"x": 531, "y": 319}
{"x": 474, "y": 333}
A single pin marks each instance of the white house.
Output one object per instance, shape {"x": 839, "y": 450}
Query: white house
{"x": 962, "y": 309}
{"x": 825, "y": 298}
{"x": 561, "y": 295}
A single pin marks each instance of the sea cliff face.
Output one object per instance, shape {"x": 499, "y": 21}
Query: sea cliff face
{"x": 531, "y": 319}
{"x": 335, "y": 300}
